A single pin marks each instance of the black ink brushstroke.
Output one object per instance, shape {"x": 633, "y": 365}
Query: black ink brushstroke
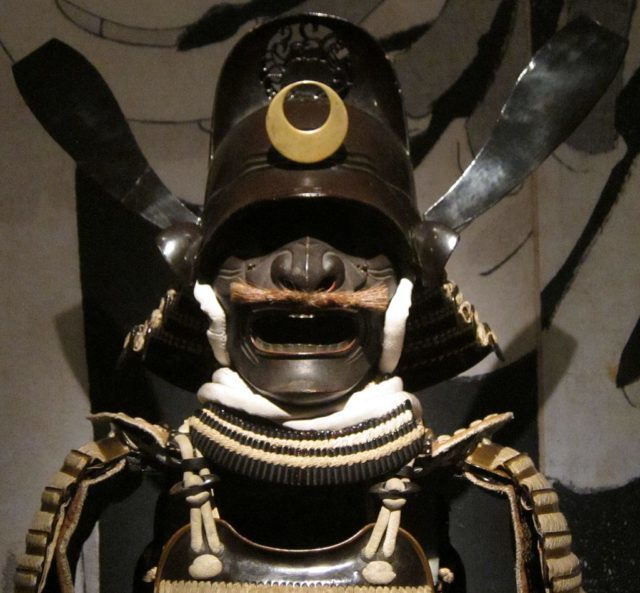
{"x": 503, "y": 261}
{"x": 459, "y": 158}
{"x": 461, "y": 98}
{"x": 566, "y": 165}
{"x": 627, "y": 123}
{"x": 202, "y": 124}
{"x": 168, "y": 122}
{"x": 544, "y": 21}
{"x": 403, "y": 40}
{"x": 160, "y": 33}
{"x": 76, "y": 107}
{"x": 629, "y": 365}
{"x": 222, "y": 21}
{"x": 626, "y": 396}
{"x": 5, "y": 49}
{"x": 596, "y": 134}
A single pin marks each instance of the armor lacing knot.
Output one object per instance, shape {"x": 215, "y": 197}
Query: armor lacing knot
{"x": 197, "y": 488}
{"x": 393, "y": 494}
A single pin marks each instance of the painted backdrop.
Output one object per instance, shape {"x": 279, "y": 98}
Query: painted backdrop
{"x": 554, "y": 268}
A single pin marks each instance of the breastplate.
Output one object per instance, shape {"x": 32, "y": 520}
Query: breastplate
{"x": 249, "y": 567}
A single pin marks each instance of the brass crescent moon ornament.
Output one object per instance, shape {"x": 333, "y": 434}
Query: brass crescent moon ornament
{"x": 307, "y": 146}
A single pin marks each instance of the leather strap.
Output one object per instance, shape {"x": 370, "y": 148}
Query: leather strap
{"x": 60, "y": 509}
{"x": 497, "y": 468}
{"x": 136, "y": 432}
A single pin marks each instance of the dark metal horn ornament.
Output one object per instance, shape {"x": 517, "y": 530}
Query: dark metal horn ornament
{"x": 553, "y": 94}
{"x": 77, "y": 108}
{"x": 72, "y": 101}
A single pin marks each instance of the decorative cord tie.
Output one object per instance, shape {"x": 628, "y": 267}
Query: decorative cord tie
{"x": 197, "y": 488}
{"x": 393, "y": 494}
{"x": 189, "y": 493}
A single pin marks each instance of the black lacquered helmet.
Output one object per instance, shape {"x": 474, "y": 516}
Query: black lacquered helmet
{"x": 365, "y": 187}
{"x": 368, "y": 176}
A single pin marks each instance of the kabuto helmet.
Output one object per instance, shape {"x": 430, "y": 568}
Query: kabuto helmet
{"x": 362, "y": 187}
{"x": 300, "y": 71}
{"x": 369, "y": 173}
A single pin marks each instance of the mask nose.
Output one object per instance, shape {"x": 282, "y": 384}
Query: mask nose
{"x": 308, "y": 264}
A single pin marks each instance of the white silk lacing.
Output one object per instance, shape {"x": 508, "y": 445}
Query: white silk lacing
{"x": 205, "y": 542}
{"x": 377, "y": 399}
{"x": 228, "y": 389}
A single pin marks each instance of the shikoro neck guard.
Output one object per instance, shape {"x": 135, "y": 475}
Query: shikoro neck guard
{"x": 262, "y": 451}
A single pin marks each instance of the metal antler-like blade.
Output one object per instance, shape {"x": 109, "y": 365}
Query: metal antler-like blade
{"x": 553, "y": 94}
{"x": 76, "y": 107}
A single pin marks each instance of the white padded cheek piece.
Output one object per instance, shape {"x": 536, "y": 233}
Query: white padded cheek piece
{"x": 395, "y": 322}
{"x": 217, "y": 332}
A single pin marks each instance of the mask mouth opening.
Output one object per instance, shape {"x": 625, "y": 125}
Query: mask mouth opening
{"x": 303, "y": 333}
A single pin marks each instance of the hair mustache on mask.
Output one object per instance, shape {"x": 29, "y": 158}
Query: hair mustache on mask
{"x": 375, "y": 298}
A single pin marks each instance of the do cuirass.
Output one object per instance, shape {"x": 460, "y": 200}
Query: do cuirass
{"x": 248, "y": 565}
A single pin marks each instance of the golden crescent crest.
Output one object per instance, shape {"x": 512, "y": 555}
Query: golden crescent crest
{"x": 307, "y": 146}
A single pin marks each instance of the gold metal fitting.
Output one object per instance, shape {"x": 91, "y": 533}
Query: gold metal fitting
{"x": 307, "y": 146}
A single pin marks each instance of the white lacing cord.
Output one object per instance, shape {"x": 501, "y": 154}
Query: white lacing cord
{"x": 380, "y": 572}
{"x": 204, "y": 534}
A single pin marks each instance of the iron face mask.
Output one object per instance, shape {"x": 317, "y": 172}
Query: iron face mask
{"x": 305, "y": 321}
{"x": 301, "y": 305}
{"x": 309, "y": 199}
